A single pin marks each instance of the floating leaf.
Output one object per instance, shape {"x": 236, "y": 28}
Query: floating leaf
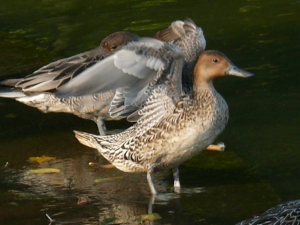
{"x": 41, "y": 159}
{"x": 45, "y": 170}
{"x": 106, "y": 179}
{"x": 106, "y": 166}
{"x": 82, "y": 200}
{"x": 93, "y": 164}
{"x": 220, "y": 147}
{"x": 150, "y": 217}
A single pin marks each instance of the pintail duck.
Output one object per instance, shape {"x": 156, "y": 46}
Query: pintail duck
{"x": 40, "y": 88}
{"x": 283, "y": 214}
{"x": 171, "y": 127}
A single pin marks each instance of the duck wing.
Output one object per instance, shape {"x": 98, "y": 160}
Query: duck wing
{"x": 53, "y": 75}
{"x": 135, "y": 65}
{"x": 186, "y": 35}
{"x": 134, "y": 72}
{"x": 164, "y": 95}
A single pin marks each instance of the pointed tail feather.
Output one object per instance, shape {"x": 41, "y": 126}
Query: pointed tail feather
{"x": 12, "y": 94}
{"x": 86, "y": 139}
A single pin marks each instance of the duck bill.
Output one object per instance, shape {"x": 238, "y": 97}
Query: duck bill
{"x": 235, "y": 71}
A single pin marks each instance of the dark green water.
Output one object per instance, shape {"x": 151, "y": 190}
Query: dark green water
{"x": 260, "y": 167}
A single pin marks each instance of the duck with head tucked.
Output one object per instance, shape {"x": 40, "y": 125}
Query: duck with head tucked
{"x": 39, "y": 89}
{"x": 106, "y": 76}
{"x": 171, "y": 127}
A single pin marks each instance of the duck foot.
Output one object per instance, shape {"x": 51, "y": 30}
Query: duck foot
{"x": 220, "y": 147}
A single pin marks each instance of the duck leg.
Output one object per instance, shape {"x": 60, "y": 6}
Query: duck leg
{"x": 150, "y": 182}
{"x": 175, "y": 171}
{"x": 101, "y": 126}
{"x": 151, "y": 203}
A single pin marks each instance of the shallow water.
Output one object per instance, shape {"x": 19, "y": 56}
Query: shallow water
{"x": 260, "y": 167}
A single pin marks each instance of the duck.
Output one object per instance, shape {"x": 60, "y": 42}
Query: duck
{"x": 186, "y": 35}
{"x": 171, "y": 126}
{"x": 283, "y": 214}
{"x": 40, "y": 89}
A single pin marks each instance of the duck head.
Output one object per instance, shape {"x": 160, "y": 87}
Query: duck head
{"x": 118, "y": 40}
{"x": 212, "y": 64}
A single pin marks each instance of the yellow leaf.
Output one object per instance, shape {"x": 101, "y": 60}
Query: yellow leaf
{"x": 82, "y": 200}
{"x": 45, "y": 170}
{"x": 106, "y": 166}
{"x": 150, "y": 217}
{"x": 106, "y": 179}
{"x": 41, "y": 159}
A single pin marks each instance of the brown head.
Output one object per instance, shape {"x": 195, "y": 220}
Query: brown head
{"x": 212, "y": 64}
{"x": 118, "y": 40}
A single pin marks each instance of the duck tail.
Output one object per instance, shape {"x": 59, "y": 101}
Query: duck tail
{"x": 12, "y": 94}
{"x": 86, "y": 139}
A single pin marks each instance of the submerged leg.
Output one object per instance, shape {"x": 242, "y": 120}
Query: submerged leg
{"x": 101, "y": 126}
{"x": 151, "y": 203}
{"x": 176, "y": 179}
{"x": 150, "y": 182}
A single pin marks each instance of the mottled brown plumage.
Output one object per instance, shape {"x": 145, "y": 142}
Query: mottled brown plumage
{"x": 171, "y": 128}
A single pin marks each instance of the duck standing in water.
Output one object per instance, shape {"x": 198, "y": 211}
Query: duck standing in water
{"x": 39, "y": 89}
{"x": 171, "y": 128}
{"x": 283, "y": 214}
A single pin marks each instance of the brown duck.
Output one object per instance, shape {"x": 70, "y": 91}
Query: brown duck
{"x": 171, "y": 127}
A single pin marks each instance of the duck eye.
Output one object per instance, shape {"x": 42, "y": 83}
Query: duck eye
{"x": 215, "y": 60}
{"x": 113, "y": 47}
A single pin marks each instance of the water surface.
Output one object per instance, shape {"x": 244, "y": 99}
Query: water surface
{"x": 260, "y": 167}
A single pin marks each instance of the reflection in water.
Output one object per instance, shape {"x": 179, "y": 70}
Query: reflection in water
{"x": 114, "y": 194}
{"x": 121, "y": 196}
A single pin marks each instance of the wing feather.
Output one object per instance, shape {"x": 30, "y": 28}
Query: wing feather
{"x": 134, "y": 66}
{"x": 50, "y": 77}
{"x": 165, "y": 87}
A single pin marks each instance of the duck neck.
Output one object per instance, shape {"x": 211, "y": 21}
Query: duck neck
{"x": 206, "y": 97}
{"x": 203, "y": 87}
